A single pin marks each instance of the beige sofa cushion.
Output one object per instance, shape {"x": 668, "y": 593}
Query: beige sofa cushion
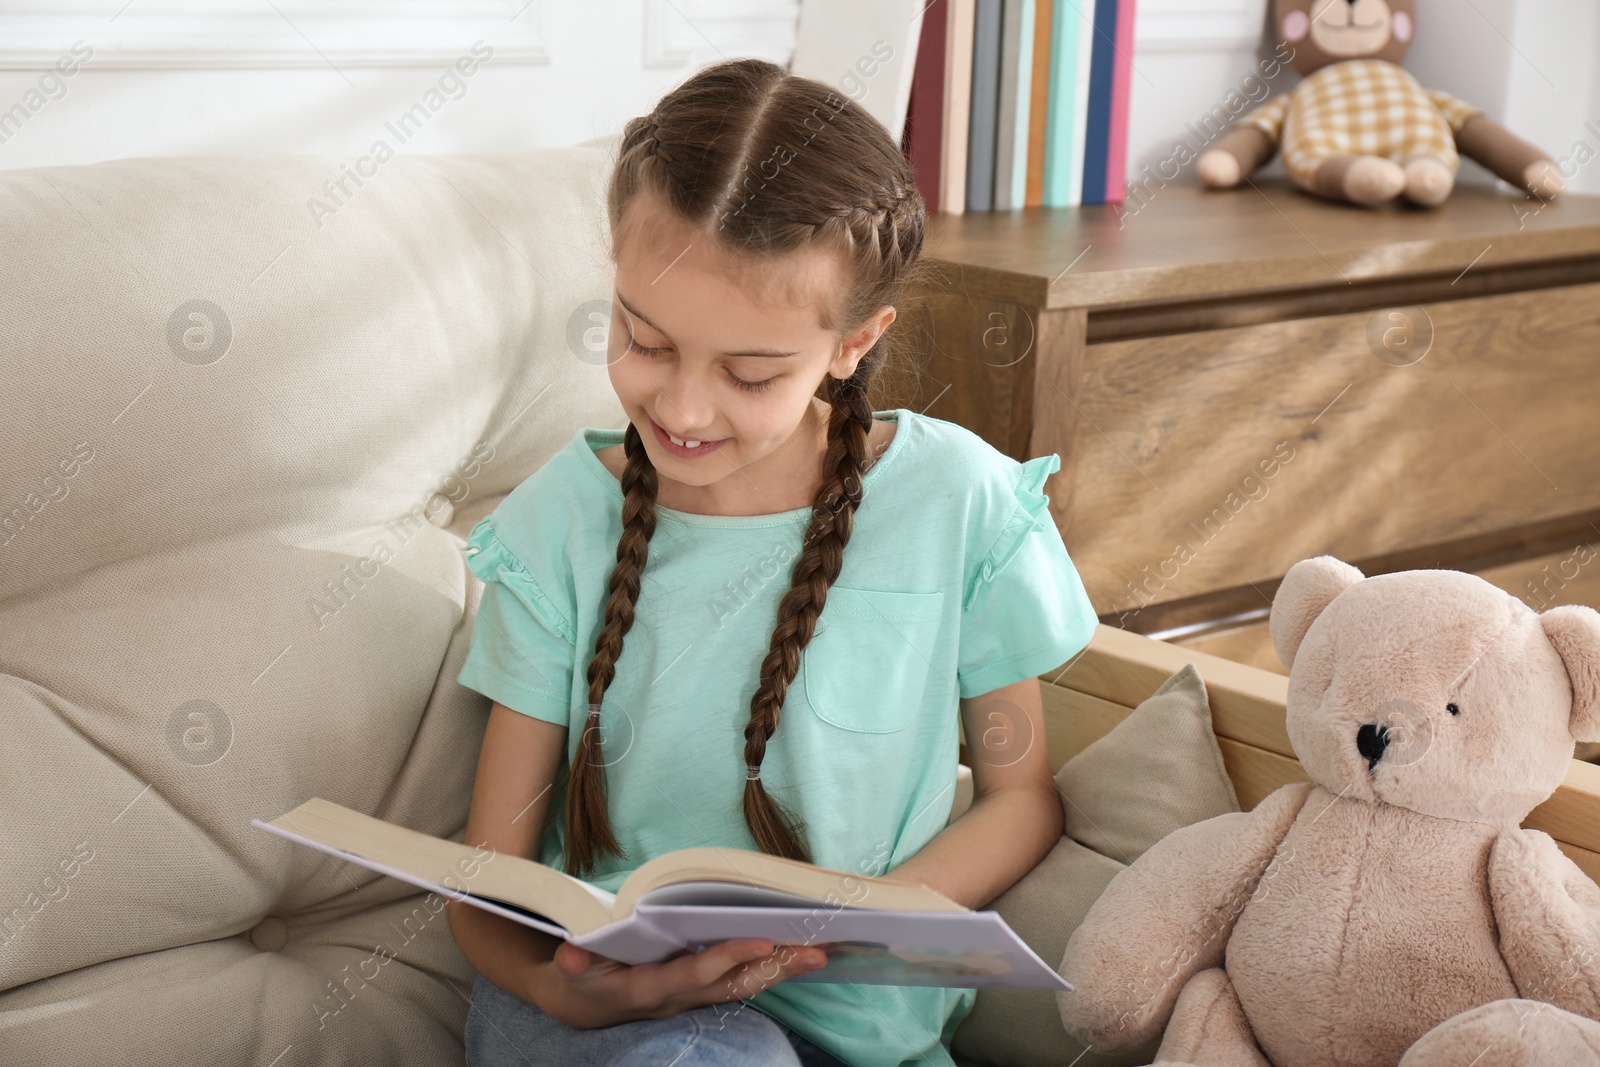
{"x": 231, "y": 577}
{"x": 1157, "y": 770}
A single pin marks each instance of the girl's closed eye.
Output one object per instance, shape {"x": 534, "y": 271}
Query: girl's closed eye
{"x": 651, "y": 353}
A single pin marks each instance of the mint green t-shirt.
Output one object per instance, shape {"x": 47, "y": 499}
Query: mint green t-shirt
{"x": 955, "y": 583}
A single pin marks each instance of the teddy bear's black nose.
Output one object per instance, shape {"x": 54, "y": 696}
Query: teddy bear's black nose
{"x": 1371, "y": 741}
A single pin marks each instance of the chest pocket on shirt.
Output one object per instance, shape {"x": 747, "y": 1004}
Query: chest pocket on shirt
{"x": 866, "y": 667}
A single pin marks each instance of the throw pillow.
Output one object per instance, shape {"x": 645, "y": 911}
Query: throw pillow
{"x": 1156, "y": 771}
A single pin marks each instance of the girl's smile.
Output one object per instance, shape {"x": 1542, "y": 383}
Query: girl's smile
{"x": 682, "y": 448}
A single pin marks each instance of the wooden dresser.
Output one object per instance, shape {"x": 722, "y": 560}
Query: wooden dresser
{"x": 1236, "y": 380}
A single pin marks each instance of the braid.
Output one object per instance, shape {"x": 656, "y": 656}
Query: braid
{"x": 734, "y": 150}
{"x": 651, "y": 138}
{"x": 873, "y": 213}
{"x": 889, "y": 225}
{"x": 589, "y": 829}
{"x": 832, "y": 518}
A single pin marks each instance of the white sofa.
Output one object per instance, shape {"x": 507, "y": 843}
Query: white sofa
{"x": 243, "y": 436}
{"x": 231, "y": 577}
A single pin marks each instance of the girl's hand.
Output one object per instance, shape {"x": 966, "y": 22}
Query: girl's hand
{"x": 585, "y": 990}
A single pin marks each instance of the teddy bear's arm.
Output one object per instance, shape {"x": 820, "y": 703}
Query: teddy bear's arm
{"x": 1548, "y": 915}
{"x": 1166, "y": 917}
{"x": 1248, "y": 144}
{"x": 1502, "y": 152}
{"x": 1269, "y": 117}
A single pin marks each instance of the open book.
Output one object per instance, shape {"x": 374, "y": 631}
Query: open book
{"x": 876, "y": 931}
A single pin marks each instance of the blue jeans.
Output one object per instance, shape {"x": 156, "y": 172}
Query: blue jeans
{"x": 503, "y": 1030}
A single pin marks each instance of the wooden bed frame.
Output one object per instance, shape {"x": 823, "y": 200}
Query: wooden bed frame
{"x": 1095, "y": 690}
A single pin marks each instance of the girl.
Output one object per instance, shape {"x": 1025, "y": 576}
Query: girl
{"x": 670, "y": 615}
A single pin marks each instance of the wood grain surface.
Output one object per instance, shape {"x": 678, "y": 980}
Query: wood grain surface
{"x": 1179, "y": 242}
{"x": 1217, "y": 459}
{"x": 1172, "y": 350}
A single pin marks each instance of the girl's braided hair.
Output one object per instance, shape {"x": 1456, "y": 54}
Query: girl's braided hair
{"x": 767, "y": 163}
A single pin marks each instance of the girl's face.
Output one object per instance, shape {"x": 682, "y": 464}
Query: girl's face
{"x": 705, "y": 347}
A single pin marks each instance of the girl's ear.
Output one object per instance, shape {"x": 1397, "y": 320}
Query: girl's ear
{"x": 1309, "y": 587}
{"x": 859, "y": 342}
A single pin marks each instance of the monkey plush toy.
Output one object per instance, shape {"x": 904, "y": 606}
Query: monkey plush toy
{"x": 1359, "y": 128}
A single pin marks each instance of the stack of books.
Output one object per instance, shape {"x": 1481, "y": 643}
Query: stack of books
{"x": 1021, "y": 103}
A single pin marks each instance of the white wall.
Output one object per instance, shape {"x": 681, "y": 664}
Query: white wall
{"x": 235, "y": 76}
{"x": 242, "y": 76}
{"x": 1554, "y": 97}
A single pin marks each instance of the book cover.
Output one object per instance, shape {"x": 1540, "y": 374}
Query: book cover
{"x": 880, "y": 931}
{"x": 1016, "y": 90}
{"x": 1097, "y": 128}
{"x": 925, "y": 117}
{"x": 866, "y": 52}
{"x": 962, "y": 16}
{"x": 1038, "y": 105}
{"x": 1121, "y": 85}
{"x": 983, "y": 130}
{"x": 1084, "y": 12}
{"x": 1063, "y": 132}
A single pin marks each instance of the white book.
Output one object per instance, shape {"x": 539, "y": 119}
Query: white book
{"x": 867, "y": 52}
{"x": 875, "y": 931}
{"x": 1083, "y": 10}
{"x": 1016, "y": 98}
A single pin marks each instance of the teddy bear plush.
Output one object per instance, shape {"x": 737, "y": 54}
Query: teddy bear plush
{"x": 1391, "y": 910}
{"x": 1359, "y": 128}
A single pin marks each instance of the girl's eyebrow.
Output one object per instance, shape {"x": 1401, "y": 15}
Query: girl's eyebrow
{"x": 766, "y": 352}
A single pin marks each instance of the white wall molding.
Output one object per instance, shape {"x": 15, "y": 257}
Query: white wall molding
{"x": 246, "y": 34}
{"x": 684, "y": 33}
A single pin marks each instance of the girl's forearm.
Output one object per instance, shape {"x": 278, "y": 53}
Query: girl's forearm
{"x": 989, "y": 848}
{"x": 505, "y": 952}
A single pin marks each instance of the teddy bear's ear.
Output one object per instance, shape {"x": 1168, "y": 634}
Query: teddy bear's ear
{"x": 1309, "y": 587}
{"x": 1574, "y": 630}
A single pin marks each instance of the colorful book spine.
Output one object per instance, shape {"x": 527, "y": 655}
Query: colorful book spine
{"x": 1021, "y": 103}
{"x": 1064, "y": 132}
{"x": 957, "y": 103}
{"x": 1039, "y": 105}
{"x": 1024, "y": 80}
{"x": 924, "y": 138}
{"x": 1016, "y": 92}
{"x": 1080, "y": 98}
{"x": 1097, "y": 131}
{"x": 1116, "y": 188}
{"x": 984, "y": 120}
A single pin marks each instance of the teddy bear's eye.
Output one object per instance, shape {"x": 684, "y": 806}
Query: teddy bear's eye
{"x": 1452, "y": 709}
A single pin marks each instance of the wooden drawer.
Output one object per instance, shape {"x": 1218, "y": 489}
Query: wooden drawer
{"x": 1212, "y": 460}
{"x": 1177, "y": 355}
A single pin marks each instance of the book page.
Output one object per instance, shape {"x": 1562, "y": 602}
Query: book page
{"x": 974, "y": 949}
{"x": 724, "y": 893}
{"x": 814, "y": 884}
{"x": 424, "y": 859}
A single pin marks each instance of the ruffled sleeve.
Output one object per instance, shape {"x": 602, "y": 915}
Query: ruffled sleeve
{"x": 523, "y": 647}
{"x": 1024, "y": 610}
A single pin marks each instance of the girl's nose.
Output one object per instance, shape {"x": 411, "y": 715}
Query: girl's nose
{"x": 678, "y": 411}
